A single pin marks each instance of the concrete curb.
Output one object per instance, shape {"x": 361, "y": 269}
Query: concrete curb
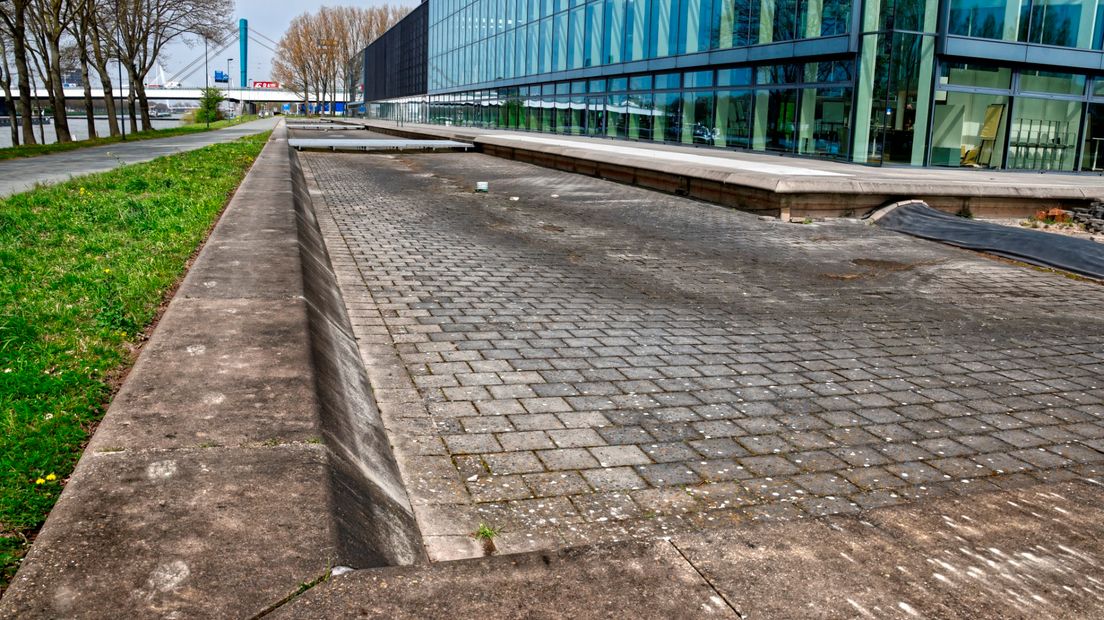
{"x": 208, "y": 490}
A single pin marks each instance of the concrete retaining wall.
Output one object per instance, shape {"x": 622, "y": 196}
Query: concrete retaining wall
{"x": 375, "y": 521}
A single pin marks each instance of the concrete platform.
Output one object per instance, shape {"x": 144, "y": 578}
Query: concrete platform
{"x": 349, "y": 144}
{"x": 772, "y": 184}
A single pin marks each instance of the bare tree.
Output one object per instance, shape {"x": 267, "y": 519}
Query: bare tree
{"x": 98, "y": 22}
{"x": 314, "y": 52}
{"x": 148, "y": 25}
{"x": 5, "y": 83}
{"x": 49, "y": 22}
{"x": 14, "y": 18}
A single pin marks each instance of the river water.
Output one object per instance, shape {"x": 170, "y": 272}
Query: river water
{"x": 79, "y": 128}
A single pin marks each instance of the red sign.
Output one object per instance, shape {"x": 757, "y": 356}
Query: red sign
{"x": 259, "y": 84}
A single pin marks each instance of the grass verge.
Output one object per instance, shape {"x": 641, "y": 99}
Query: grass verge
{"x": 85, "y": 266}
{"x": 34, "y": 150}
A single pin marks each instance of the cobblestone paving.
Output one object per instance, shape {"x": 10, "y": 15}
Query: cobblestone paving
{"x": 594, "y": 361}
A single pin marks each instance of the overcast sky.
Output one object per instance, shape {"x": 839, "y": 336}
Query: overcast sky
{"x": 266, "y": 17}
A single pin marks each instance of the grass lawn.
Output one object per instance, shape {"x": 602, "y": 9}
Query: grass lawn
{"x": 84, "y": 267}
{"x": 13, "y": 152}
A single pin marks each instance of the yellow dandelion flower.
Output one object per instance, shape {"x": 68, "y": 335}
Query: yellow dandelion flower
{"x": 40, "y": 481}
{"x": 51, "y": 477}
{"x": 107, "y": 271}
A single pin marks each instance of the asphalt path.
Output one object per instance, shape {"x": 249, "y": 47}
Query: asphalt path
{"x": 20, "y": 175}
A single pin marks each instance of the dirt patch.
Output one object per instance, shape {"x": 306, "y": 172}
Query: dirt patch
{"x": 883, "y": 265}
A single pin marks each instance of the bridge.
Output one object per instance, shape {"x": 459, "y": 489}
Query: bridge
{"x": 158, "y": 93}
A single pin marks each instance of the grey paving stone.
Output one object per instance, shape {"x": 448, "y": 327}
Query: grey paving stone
{"x": 726, "y": 355}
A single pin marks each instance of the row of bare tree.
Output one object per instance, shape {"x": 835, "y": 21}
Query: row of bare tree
{"x": 40, "y": 37}
{"x": 318, "y": 54}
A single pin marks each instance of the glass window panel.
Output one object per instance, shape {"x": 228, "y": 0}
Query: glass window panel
{"x": 1059, "y": 22}
{"x": 544, "y": 56}
{"x": 617, "y": 116}
{"x": 697, "y": 118}
{"x": 775, "y": 123}
{"x": 968, "y": 130}
{"x": 640, "y": 82}
{"x": 668, "y": 117}
{"x": 698, "y": 30}
{"x": 825, "y": 128}
{"x": 988, "y": 19}
{"x": 559, "y": 49}
{"x": 975, "y": 74}
{"x": 667, "y": 81}
{"x": 779, "y": 74}
{"x": 597, "y": 86}
{"x": 577, "y": 29}
{"x": 1049, "y": 82}
{"x": 613, "y": 31}
{"x": 635, "y": 29}
{"x": 596, "y": 116}
{"x": 734, "y": 77}
{"x": 662, "y": 28}
{"x": 835, "y": 18}
{"x": 1093, "y": 157}
{"x": 563, "y": 88}
{"x": 1043, "y": 134}
{"x": 698, "y": 79}
{"x": 639, "y": 116}
{"x": 834, "y": 71}
{"x": 593, "y": 38}
{"x": 578, "y": 87}
{"x": 618, "y": 84}
{"x": 783, "y": 24}
{"x": 746, "y": 22}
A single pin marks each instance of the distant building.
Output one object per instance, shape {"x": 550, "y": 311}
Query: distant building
{"x": 1015, "y": 84}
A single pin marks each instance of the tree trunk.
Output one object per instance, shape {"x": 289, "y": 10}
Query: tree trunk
{"x": 19, "y": 36}
{"x": 100, "y": 62}
{"x": 137, "y": 83}
{"x": 9, "y": 103}
{"x": 57, "y": 95}
{"x": 89, "y": 106}
{"x": 109, "y": 100}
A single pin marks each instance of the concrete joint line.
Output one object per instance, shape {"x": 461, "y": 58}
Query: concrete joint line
{"x": 706, "y": 579}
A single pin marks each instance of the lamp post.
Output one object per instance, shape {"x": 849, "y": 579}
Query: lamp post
{"x": 206, "y": 83}
{"x": 229, "y": 80}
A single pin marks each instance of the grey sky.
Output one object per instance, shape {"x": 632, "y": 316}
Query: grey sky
{"x": 265, "y": 17}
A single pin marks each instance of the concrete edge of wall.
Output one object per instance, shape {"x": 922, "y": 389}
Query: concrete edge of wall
{"x": 374, "y": 519}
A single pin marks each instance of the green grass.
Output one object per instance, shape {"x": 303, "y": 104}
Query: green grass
{"x": 84, "y": 267}
{"x": 34, "y": 150}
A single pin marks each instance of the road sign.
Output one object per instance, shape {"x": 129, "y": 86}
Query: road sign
{"x": 221, "y": 76}
{"x": 260, "y": 84}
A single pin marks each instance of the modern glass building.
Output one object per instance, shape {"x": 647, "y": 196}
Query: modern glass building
{"x": 1016, "y": 84}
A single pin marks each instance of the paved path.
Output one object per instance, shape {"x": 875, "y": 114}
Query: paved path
{"x": 594, "y": 362}
{"x": 20, "y": 175}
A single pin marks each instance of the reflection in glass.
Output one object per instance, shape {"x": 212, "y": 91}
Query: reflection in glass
{"x": 733, "y": 125}
{"x": 968, "y": 130}
{"x": 1043, "y": 134}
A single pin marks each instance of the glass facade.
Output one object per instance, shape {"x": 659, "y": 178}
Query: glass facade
{"x": 882, "y": 82}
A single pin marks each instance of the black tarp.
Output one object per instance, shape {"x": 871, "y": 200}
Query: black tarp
{"x": 1080, "y": 256}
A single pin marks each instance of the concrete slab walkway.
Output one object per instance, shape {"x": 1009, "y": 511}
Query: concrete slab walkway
{"x": 20, "y": 175}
